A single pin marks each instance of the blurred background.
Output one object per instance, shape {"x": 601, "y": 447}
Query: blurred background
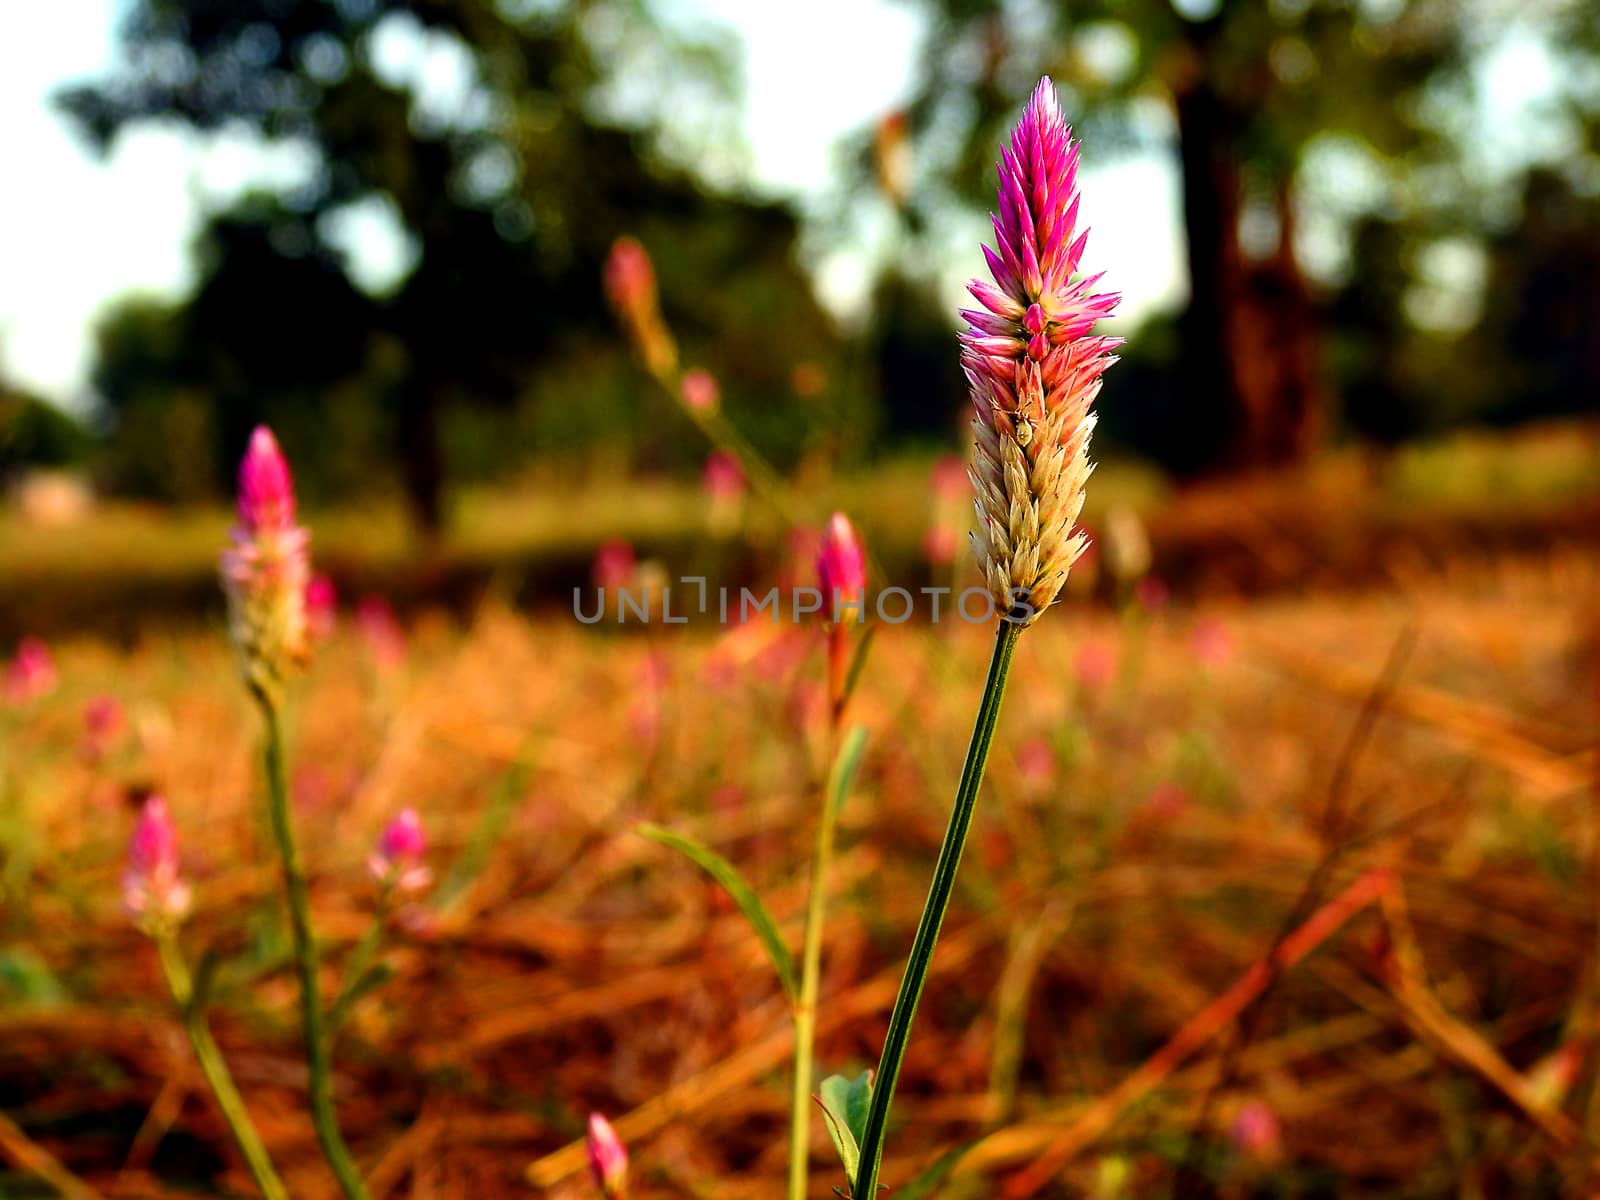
{"x": 1357, "y": 228}
{"x": 1340, "y": 616}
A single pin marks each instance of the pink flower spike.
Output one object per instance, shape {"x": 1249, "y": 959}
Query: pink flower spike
{"x": 841, "y": 565}
{"x": 31, "y": 674}
{"x": 699, "y": 391}
{"x": 397, "y": 860}
{"x": 266, "y": 570}
{"x": 608, "y": 1158}
{"x": 152, "y": 888}
{"x": 614, "y": 564}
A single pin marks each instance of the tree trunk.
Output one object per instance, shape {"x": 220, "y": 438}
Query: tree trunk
{"x": 1249, "y": 336}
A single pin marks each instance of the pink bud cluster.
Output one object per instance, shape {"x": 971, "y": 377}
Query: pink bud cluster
{"x": 397, "y": 860}
{"x": 266, "y": 570}
{"x": 1033, "y": 367}
{"x": 152, "y": 888}
{"x": 30, "y": 674}
{"x": 841, "y": 564}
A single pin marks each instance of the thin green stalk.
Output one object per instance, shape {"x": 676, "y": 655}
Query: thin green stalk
{"x": 215, "y": 1070}
{"x": 944, "y": 878}
{"x": 356, "y": 966}
{"x": 323, "y": 1116}
{"x": 805, "y": 1010}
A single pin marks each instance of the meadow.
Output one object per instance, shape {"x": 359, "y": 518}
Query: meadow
{"x": 1284, "y": 891}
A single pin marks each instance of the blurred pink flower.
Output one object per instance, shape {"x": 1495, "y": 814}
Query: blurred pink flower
{"x": 841, "y": 566}
{"x": 614, "y": 565}
{"x": 266, "y": 569}
{"x": 1165, "y": 801}
{"x": 940, "y": 544}
{"x": 630, "y": 279}
{"x": 397, "y": 860}
{"x": 385, "y": 638}
{"x": 608, "y": 1159}
{"x": 949, "y": 478}
{"x": 1036, "y": 762}
{"x": 322, "y": 606}
{"x": 152, "y": 888}
{"x": 1255, "y": 1131}
{"x": 723, "y": 477}
{"x": 1152, "y": 593}
{"x": 1211, "y": 643}
{"x": 103, "y": 723}
{"x": 1095, "y": 665}
{"x": 699, "y": 391}
{"x": 31, "y": 673}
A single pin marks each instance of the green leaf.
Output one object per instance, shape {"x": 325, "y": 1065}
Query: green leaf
{"x": 835, "y": 1097}
{"x": 844, "y": 767}
{"x": 725, "y": 873}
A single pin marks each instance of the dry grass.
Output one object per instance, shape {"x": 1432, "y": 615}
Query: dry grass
{"x": 1141, "y": 850}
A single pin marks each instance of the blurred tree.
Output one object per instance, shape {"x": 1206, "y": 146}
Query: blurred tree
{"x": 35, "y": 433}
{"x": 475, "y": 136}
{"x": 1248, "y": 84}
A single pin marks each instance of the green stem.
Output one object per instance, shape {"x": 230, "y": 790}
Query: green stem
{"x": 805, "y": 1011}
{"x": 356, "y": 966}
{"x": 215, "y": 1070}
{"x": 944, "y": 878}
{"x": 323, "y": 1116}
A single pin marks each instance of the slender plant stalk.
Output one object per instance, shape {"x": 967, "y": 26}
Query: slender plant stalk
{"x": 805, "y": 1011}
{"x": 323, "y": 1115}
{"x": 216, "y": 1072}
{"x": 357, "y": 965}
{"x": 944, "y": 878}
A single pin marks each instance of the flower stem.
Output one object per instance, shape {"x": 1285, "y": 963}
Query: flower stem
{"x": 944, "y": 877}
{"x": 323, "y": 1116}
{"x": 216, "y": 1072}
{"x": 805, "y": 1010}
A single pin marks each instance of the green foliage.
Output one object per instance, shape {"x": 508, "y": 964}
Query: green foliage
{"x": 34, "y": 433}
{"x": 750, "y": 904}
{"x": 844, "y": 1103}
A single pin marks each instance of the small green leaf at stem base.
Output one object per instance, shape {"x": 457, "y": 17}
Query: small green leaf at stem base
{"x": 844, "y": 1104}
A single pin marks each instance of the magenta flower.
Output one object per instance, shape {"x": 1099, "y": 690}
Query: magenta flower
{"x": 152, "y": 888}
{"x": 397, "y": 860}
{"x": 266, "y": 570}
{"x": 1255, "y": 1131}
{"x": 1034, "y": 367}
{"x": 30, "y": 674}
{"x": 322, "y": 607}
{"x": 699, "y": 391}
{"x": 841, "y": 565}
{"x": 608, "y": 1158}
{"x": 630, "y": 283}
{"x": 723, "y": 477}
{"x": 615, "y": 564}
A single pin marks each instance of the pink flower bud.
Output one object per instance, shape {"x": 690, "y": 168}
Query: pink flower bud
{"x": 608, "y": 1159}
{"x": 31, "y": 674}
{"x": 152, "y": 889}
{"x": 1255, "y": 1131}
{"x": 699, "y": 390}
{"x": 322, "y": 606}
{"x": 397, "y": 860}
{"x": 614, "y": 564}
{"x": 630, "y": 279}
{"x": 266, "y": 570}
{"x": 103, "y": 723}
{"x": 841, "y": 564}
{"x": 723, "y": 477}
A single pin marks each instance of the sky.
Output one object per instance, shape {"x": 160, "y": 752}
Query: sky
{"x": 77, "y": 231}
